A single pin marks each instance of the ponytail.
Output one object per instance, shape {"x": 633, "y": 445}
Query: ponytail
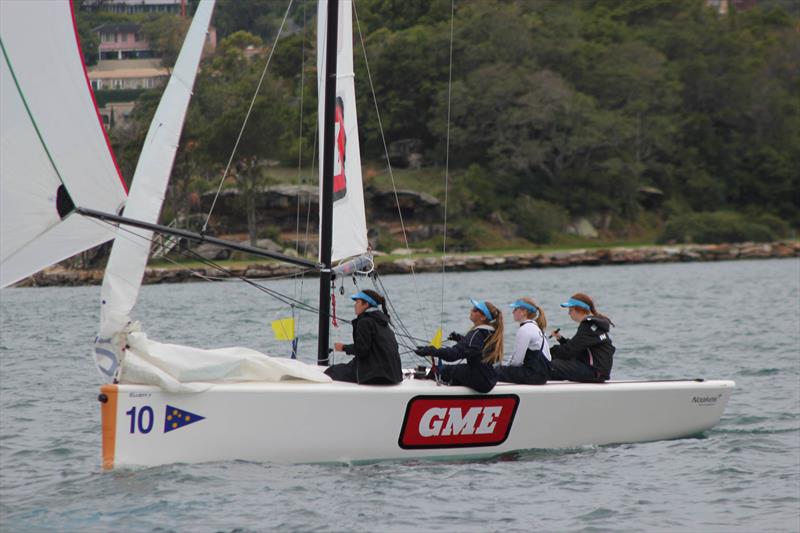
{"x": 493, "y": 348}
{"x": 588, "y": 301}
{"x": 539, "y": 316}
{"x": 378, "y": 298}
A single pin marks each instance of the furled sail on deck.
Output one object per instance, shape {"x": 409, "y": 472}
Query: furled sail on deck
{"x": 126, "y": 265}
{"x": 349, "y": 221}
{"x": 53, "y": 150}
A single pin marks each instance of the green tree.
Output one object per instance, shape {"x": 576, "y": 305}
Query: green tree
{"x": 225, "y": 98}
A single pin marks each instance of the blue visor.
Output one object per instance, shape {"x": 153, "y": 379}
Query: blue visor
{"x": 366, "y": 297}
{"x": 524, "y": 305}
{"x": 481, "y": 306}
{"x": 572, "y": 302}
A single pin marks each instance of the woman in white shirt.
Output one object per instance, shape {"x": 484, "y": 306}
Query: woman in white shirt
{"x": 530, "y": 362}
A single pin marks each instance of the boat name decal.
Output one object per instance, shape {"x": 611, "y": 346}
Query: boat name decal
{"x": 706, "y": 400}
{"x": 457, "y": 421}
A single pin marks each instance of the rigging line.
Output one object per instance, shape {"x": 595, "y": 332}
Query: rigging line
{"x": 247, "y": 116}
{"x": 308, "y": 209}
{"x": 447, "y": 160}
{"x": 389, "y": 166}
{"x": 378, "y": 285}
{"x": 300, "y": 138}
{"x": 127, "y": 234}
{"x": 288, "y": 300}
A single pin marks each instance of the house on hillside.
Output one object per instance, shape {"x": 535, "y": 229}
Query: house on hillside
{"x": 122, "y": 41}
{"x": 128, "y": 65}
{"x": 134, "y": 6}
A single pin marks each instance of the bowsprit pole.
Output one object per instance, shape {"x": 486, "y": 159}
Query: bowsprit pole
{"x": 326, "y": 218}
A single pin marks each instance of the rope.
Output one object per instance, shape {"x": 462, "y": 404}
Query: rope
{"x": 389, "y": 166}
{"x": 333, "y": 307}
{"x": 408, "y": 341}
{"x": 447, "y": 161}
{"x": 246, "y": 118}
{"x": 300, "y": 138}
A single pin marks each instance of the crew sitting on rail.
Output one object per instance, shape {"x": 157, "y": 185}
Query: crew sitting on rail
{"x": 530, "y": 361}
{"x": 588, "y": 356}
{"x": 376, "y": 358}
{"x": 482, "y": 347}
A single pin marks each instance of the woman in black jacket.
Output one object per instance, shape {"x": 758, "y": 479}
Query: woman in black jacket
{"x": 376, "y": 358}
{"x": 589, "y": 355}
{"x": 482, "y": 347}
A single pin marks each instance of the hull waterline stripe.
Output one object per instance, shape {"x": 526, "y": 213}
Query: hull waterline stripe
{"x": 30, "y": 114}
{"x": 108, "y": 417}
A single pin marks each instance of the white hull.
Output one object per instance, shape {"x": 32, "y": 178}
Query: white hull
{"x": 296, "y": 422}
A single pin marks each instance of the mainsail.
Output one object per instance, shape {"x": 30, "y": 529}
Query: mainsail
{"x": 128, "y": 259}
{"x": 53, "y": 151}
{"x": 349, "y": 221}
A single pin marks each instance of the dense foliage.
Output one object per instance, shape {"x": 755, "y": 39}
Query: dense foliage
{"x": 558, "y": 108}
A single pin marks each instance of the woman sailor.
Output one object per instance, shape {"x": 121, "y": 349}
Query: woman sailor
{"x": 589, "y": 355}
{"x": 481, "y": 347}
{"x": 376, "y": 358}
{"x": 530, "y": 361}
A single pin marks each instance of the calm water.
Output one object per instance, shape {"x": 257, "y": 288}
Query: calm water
{"x": 736, "y": 320}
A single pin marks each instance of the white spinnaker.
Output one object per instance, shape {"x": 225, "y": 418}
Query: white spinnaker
{"x": 126, "y": 265}
{"x": 349, "y": 220}
{"x": 50, "y": 134}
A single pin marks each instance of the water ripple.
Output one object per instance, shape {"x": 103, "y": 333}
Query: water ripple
{"x": 742, "y": 475}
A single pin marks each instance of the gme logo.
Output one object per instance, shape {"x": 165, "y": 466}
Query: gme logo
{"x": 457, "y": 421}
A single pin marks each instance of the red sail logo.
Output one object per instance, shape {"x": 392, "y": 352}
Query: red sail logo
{"x": 457, "y": 421}
{"x": 339, "y": 176}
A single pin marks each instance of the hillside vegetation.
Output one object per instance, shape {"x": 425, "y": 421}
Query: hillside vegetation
{"x": 653, "y": 119}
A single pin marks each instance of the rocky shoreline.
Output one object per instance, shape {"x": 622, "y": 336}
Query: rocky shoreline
{"x": 455, "y": 263}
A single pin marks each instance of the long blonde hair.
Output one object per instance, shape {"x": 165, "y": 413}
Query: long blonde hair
{"x": 493, "y": 347}
{"x": 539, "y": 317}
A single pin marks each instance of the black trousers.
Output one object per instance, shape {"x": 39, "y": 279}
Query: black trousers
{"x": 520, "y": 374}
{"x": 348, "y": 372}
{"x": 535, "y": 370}
{"x": 467, "y": 376}
{"x": 573, "y": 370}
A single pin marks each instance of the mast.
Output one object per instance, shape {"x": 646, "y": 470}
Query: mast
{"x": 326, "y": 222}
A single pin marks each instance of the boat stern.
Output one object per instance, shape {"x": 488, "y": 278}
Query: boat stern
{"x": 108, "y": 418}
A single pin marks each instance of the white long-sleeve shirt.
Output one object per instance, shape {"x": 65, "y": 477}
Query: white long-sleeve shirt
{"x": 529, "y": 337}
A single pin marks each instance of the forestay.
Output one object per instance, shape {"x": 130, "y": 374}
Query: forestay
{"x": 349, "y": 221}
{"x": 51, "y": 138}
{"x": 128, "y": 259}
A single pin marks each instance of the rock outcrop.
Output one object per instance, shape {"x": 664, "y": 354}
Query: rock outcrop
{"x": 453, "y": 263}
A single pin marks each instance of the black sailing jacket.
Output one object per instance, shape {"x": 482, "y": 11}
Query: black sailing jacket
{"x": 592, "y": 336}
{"x": 375, "y": 348}
{"x": 470, "y": 347}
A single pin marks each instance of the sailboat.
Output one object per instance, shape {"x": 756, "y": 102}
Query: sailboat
{"x": 164, "y": 403}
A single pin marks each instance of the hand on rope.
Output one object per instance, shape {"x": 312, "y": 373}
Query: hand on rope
{"x": 455, "y": 336}
{"x": 425, "y": 351}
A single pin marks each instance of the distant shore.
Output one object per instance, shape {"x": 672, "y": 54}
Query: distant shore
{"x": 453, "y": 263}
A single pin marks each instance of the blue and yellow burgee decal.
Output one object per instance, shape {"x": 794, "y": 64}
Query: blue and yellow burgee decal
{"x": 178, "y": 418}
